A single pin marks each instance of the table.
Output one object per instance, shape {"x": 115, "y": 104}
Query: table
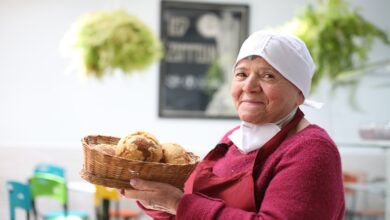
{"x": 81, "y": 186}
{"x": 86, "y": 187}
{"x": 375, "y": 144}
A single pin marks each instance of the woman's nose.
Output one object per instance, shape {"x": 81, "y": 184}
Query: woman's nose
{"x": 252, "y": 84}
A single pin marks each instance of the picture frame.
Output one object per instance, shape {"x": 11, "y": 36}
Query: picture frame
{"x": 201, "y": 42}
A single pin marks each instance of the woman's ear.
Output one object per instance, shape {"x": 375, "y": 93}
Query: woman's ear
{"x": 300, "y": 99}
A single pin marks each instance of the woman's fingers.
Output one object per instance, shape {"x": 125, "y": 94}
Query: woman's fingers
{"x": 138, "y": 194}
{"x": 145, "y": 185}
{"x": 147, "y": 190}
{"x": 154, "y": 195}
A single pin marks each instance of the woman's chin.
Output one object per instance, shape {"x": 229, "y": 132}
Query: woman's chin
{"x": 251, "y": 117}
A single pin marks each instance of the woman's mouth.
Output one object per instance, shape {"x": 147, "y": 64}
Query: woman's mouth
{"x": 250, "y": 101}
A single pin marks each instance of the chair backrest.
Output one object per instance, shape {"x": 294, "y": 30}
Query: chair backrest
{"x": 49, "y": 185}
{"x": 103, "y": 192}
{"x": 103, "y": 211}
{"x": 19, "y": 197}
{"x": 49, "y": 168}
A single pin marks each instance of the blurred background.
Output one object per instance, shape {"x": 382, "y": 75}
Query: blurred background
{"x": 44, "y": 111}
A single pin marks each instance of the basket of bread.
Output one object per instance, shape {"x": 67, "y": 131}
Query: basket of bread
{"x": 112, "y": 161}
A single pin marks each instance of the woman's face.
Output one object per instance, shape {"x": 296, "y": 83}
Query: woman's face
{"x": 260, "y": 93}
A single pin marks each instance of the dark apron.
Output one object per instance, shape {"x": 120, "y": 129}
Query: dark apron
{"x": 236, "y": 191}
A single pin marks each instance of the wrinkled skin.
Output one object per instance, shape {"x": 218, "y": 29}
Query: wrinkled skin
{"x": 154, "y": 195}
{"x": 260, "y": 93}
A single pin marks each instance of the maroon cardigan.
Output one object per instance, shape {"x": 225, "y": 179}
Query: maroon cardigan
{"x": 301, "y": 180}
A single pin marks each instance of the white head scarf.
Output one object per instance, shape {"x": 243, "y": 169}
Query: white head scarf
{"x": 291, "y": 58}
{"x": 287, "y": 54}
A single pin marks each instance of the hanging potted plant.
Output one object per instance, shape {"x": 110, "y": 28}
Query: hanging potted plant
{"x": 339, "y": 39}
{"x": 103, "y": 41}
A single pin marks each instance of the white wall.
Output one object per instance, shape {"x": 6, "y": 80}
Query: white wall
{"x": 42, "y": 106}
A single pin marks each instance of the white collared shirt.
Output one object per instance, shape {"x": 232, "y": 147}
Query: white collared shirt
{"x": 251, "y": 137}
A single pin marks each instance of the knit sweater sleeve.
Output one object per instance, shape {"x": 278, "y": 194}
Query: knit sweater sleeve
{"x": 306, "y": 183}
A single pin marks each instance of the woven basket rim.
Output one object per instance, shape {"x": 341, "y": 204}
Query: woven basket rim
{"x": 84, "y": 140}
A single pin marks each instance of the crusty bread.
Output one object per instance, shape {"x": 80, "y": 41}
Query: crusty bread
{"x": 139, "y": 145}
{"x": 174, "y": 154}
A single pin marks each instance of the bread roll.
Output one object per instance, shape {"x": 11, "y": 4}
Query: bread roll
{"x": 139, "y": 146}
{"x": 175, "y": 154}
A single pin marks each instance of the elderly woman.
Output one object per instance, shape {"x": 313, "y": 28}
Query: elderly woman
{"x": 275, "y": 165}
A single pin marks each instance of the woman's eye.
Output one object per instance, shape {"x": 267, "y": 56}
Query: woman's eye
{"x": 268, "y": 76}
{"x": 240, "y": 74}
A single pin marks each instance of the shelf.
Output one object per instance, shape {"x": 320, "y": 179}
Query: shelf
{"x": 384, "y": 144}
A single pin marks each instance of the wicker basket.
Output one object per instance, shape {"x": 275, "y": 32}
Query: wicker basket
{"x": 111, "y": 171}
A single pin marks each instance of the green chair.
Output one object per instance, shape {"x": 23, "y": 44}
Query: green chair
{"x": 53, "y": 186}
{"x": 49, "y": 168}
{"x": 19, "y": 197}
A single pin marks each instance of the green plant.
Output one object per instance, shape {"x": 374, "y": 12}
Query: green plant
{"x": 338, "y": 37}
{"x": 106, "y": 40}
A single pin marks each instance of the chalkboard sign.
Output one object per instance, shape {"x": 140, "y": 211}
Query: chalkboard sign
{"x": 201, "y": 43}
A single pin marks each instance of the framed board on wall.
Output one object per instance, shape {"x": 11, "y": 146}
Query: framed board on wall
{"x": 201, "y": 43}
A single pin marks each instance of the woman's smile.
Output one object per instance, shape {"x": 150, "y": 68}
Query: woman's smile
{"x": 251, "y": 102}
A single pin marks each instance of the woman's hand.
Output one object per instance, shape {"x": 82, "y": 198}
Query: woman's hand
{"x": 154, "y": 195}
